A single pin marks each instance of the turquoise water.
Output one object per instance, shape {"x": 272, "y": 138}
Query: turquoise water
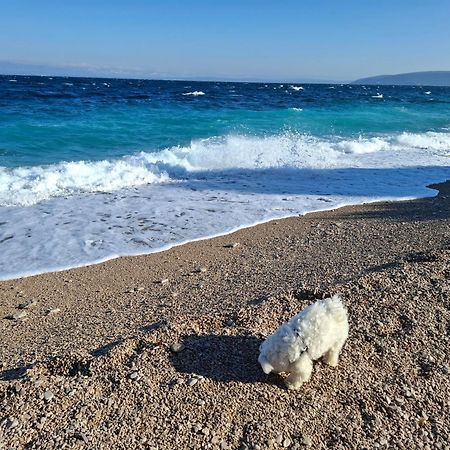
{"x": 92, "y": 169}
{"x": 47, "y": 120}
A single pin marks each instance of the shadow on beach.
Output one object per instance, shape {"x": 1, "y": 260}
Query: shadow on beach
{"x": 222, "y": 358}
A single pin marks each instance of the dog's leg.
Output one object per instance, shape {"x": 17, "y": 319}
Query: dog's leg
{"x": 331, "y": 357}
{"x": 300, "y": 372}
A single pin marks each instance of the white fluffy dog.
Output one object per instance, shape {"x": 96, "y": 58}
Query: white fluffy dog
{"x": 319, "y": 330}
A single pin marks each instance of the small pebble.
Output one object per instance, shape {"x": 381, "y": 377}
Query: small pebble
{"x": 27, "y": 305}
{"x": 11, "y": 422}
{"x": 286, "y": 443}
{"x": 134, "y": 376}
{"x": 233, "y": 245}
{"x": 82, "y": 437}
{"x": 19, "y": 315}
{"x": 423, "y": 420}
{"x": 48, "y": 395}
{"x": 177, "y": 347}
{"x": 192, "y": 381}
{"x": 307, "y": 441}
{"x": 164, "y": 281}
{"x": 53, "y": 311}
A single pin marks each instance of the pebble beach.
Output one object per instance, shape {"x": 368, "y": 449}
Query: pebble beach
{"x": 160, "y": 351}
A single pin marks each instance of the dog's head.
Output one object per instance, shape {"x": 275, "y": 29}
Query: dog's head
{"x": 280, "y": 350}
{"x": 265, "y": 364}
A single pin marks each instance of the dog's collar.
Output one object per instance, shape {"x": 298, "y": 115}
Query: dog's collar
{"x": 298, "y": 334}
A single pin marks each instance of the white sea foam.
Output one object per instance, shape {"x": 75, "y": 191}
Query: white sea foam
{"x": 194, "y": 93}
{"x": 24, "y": 186}
{"x": 296, "y": 109}
{"x": 297, "y": 88}
{"x": 378, "y": 95}
{"x": 431, "y": 141}
{"x": 364, "y": 145}
{"x": 428, "y": 92}
{"x": 88, "y": 212}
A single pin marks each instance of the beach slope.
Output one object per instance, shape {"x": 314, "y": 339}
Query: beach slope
{"x": 160, "y": 351}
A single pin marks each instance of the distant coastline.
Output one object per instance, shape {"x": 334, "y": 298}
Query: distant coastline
{"x": 434, "y": 78}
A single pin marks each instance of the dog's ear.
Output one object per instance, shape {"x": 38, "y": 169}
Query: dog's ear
{"x": 266, "y": 366}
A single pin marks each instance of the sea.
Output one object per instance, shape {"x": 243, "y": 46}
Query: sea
{"x": 93, "y": 169}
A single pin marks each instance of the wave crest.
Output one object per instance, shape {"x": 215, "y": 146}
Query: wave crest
{"x": 24, "y": 186}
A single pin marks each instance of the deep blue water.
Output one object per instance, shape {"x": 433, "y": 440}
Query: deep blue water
{"x": 45, "y": 120}
{"x": 92, "y": 169}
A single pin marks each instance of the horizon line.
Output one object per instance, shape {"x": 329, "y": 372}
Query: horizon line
{"x": 195, "y": 79}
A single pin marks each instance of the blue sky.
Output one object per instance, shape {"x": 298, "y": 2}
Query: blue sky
{"x": 234, "y": 39}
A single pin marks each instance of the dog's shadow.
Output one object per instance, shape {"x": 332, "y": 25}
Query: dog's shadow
{"x": 222, "y": 358}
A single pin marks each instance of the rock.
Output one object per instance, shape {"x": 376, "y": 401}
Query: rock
{"x": 27, "y": 305}
{"x": 205, "y": 431}
{"x": 201, "y": 270}
{"x": 177, "y": 347}
{"x": 81, "y": 437}
{"x": 164, "y": 281}
{"x": 48, "y": 395}
{"x": 307, "y": 441}
{"x": 18, "y": 315}
{"x": 134, "y": 376}
{"x": 10, "y": 422}
{"x": 423, "y": 420}
{"x": 139, "y": 289}
{"x": 53, "y": 311}
{"x": 287, "y": 442}
{"x": 233, "y": 245}
{"x": 192, "y": 381}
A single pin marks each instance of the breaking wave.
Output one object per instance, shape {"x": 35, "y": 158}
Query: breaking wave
{"x": 25, "y": 186}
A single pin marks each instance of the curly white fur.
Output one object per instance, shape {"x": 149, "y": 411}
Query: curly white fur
{"x": 321, "y": 329}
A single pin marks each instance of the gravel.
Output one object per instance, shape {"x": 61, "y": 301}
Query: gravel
{"x": 389, "y": 261}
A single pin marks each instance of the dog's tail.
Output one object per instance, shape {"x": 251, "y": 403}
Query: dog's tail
{"x": 338, "y": 309}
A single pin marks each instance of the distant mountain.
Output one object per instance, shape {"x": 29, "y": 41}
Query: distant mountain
{"x": 441, "y": 78}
